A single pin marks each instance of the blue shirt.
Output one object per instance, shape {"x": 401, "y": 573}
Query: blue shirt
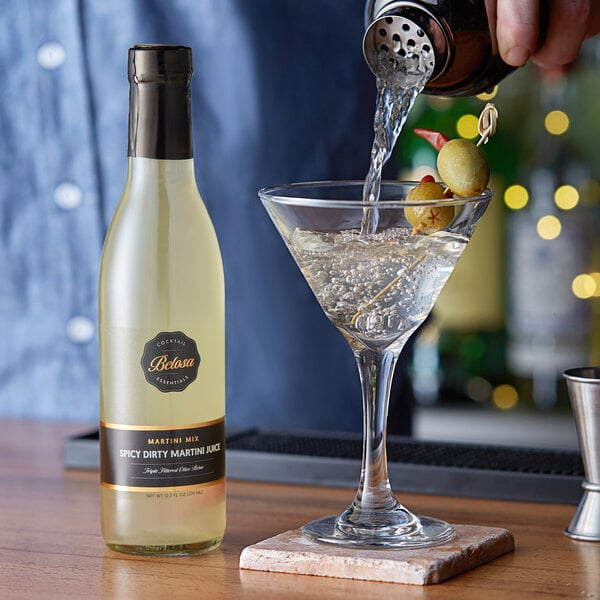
{"x": 281, "y": 93}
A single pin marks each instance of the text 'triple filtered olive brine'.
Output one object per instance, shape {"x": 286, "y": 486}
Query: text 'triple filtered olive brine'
{"x": 162, "y": 331}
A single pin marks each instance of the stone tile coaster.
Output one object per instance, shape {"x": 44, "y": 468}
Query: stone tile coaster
{"x": 289, "y": 552}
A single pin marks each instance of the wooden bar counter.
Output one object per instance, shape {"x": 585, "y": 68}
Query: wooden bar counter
{"x": 51, "y": 547}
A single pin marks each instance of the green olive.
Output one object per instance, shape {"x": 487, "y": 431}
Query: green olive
{"x": 463, "y": 167}
{"x": 428, "y": 219}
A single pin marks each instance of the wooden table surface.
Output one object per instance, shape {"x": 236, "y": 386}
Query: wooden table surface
{"x": 51, "y": 547}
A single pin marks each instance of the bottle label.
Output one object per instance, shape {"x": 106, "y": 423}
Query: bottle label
{"x": 170, "y": 361}
{"x": 137, "y": 458}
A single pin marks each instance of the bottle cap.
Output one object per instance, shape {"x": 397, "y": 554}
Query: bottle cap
{"x": 159, "y": 102}
{"x": 158, "y": 63}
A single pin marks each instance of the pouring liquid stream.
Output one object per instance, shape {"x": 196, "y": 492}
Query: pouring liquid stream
{"x": 393, "y": 105}
{"x": 403, "y": 70}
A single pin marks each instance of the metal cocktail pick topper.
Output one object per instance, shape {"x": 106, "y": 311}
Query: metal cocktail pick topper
{"x": 584, "y": 391}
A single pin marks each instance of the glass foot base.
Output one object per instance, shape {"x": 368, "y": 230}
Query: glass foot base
{"x": 424, "y": 531}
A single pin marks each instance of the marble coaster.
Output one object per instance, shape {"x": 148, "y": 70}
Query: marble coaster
{"x": 290, "y": 552}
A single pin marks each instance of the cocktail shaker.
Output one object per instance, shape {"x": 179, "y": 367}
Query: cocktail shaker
{"x": 584, "y": 392}
{"x": 460, "y": 33}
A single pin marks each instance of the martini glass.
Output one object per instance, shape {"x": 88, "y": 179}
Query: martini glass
{"x": 376, "y": 287}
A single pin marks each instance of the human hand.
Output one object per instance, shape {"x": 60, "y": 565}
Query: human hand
{"x": 570, "y": 22}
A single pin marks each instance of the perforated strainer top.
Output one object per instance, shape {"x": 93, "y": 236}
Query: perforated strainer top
{"x": 399, "y": 51}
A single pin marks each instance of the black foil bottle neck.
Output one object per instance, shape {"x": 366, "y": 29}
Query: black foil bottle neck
{"x": 159, "y": 102}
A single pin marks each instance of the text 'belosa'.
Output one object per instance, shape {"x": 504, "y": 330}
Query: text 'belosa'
{"x": 162, "y": 363}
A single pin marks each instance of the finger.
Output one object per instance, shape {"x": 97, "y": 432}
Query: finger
{"x": 517, "y": 30}
{"x": 567, "y": 28}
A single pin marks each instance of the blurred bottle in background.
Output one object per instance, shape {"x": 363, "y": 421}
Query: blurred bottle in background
{"x": 524, "y": 302}
{"x": 550, "y": 241}
{"x": 548, "y": 246}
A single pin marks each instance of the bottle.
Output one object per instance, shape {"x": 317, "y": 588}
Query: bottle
{"x": 549, "y": 245}
{"x": 161, "y": 329}
{"x": 461, "y": 34}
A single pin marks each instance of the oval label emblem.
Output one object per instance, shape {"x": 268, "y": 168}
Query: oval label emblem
{"x": 170, "y": 361}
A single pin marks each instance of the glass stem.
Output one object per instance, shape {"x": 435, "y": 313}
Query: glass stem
{"x": 374, "y": 493}
{"x": 375, "y": 517}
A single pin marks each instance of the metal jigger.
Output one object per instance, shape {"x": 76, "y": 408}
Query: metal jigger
{"x": 584, "y": 391}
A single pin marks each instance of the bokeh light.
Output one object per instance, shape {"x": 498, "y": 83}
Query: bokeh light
{"x": 596, "y": 277}
{"x": 505, "y": 397}
{"x": 556, "y": 122}
{"x": 548, "y": 227}
{"x": 589, "y": 191}
{"x": 566, "y": 197}
{"x": 466, "y": 126}
{"x": 516, "y": 197}
{"x": 479, "y": 389}
{"x": 584, "y": 286}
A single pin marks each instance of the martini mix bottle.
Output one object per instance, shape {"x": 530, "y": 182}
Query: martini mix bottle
{"x": 162, "y": 333}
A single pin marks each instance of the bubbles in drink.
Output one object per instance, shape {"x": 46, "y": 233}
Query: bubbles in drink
{"x": 376, "y": 288}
